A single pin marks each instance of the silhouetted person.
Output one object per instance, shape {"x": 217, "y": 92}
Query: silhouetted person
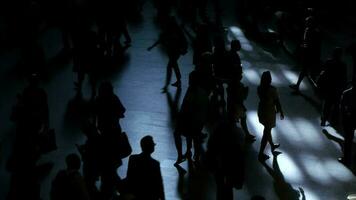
{"x": 108, "y": 108}
{"x": 348, "y": 116}
{"x": 226, "y": 157}
{"x": 112, "y": 26}
{"x": 332, "y": 83}
{"x": 220, "y": 60}
{"x": 194, "y": 110}
{"x": 236, "y": 95}
{"x": 92, "y": 155}
{"x": 310, "y": 58}
{"x": 175, "y": 44}
{"x": 234, "y": 61}
{"x": 268, "y": 107}
{"x": 144, "y": 177}
{"x": 109, "y": 111}
{"x": 69, "y": 183}
{"x": 87, "y": 58}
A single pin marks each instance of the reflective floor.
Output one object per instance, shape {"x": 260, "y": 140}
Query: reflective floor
{"x": 308, "y": 164}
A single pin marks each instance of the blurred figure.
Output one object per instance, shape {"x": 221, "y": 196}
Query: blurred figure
{"x": 175, "y": 44}
{"x": 348, "y": 116}
{"x": 194, "y": 110}
{"x": 108, "y": 108}
{"x": 331, "y": 84}
{"x": 220, "y": 59}
{"x": 86, "y": 58}
{"x": 144, "y": 177}
{"x": 108, "y": 112}
{"x": 225, "y": 157}
{"x": 237, "y": 93}
{"x": 69, "y": 183}
{"x": 268, "y": 107}
{"x": 234, "y": 61}
{"x": 310, "y": 47}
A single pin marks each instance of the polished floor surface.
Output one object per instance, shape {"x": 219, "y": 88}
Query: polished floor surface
{"x": 308, "y": 161}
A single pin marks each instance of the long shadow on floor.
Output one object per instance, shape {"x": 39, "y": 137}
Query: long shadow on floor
{"x": 283, "y": 189}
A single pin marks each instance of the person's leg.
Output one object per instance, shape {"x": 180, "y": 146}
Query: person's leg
{"x": 268, "y": 133}
{"x": 168, "y": 74}
{"x": 177, "y": 72}
{"x": 178, "y": 144}
{"x": 261, "y": 154}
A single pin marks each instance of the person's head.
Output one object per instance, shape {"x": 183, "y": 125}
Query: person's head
{"x": 235, "y": 45}
{"x": 106, "y": 89}
{"x": 147, "y": 144}
{"x": 266, "y": 78}
{"x": 73, "y": 162}
{"x": 337, "y": 53}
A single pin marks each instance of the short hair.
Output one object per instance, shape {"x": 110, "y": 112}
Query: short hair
{"x": 146, "y": 142}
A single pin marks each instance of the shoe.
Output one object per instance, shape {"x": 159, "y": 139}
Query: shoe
{"x": 263, "y": 157}
{"x": 275, "y": 146}
{"x": 176, "y": 84}
{"x": 179, "y": 160}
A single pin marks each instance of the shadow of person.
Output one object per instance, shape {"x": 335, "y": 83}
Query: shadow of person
{"x": 339, "y": 141}
{"x": 283, "y": 189}
{"x": 180, "y": 185}
{"x": 173, "y": 103}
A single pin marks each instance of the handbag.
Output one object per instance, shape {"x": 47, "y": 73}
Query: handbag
{"x": 124, "y": 147}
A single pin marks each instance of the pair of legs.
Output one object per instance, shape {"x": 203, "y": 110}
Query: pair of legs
{"x": 173, "y": 65}
{"x": 190, "y": 142}
{"x": 267, "y": 137}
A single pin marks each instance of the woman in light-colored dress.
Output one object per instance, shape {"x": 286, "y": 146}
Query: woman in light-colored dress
{"x": 268, "y": 107}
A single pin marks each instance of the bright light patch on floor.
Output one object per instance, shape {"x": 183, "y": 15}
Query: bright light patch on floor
{"x": 255, "y": 124}
{"x": 310, "y": 195}
{"x": 289, "y": 169}
{"x": 316, "y": 169}
{"x": 338, "y": 171}
{"x": 292, "y": 78}
{"x": 309, "y": 133}
{"x": 288, "y": 129}
{"x": 252, "y": 76}
{"x": 238, "y": 34}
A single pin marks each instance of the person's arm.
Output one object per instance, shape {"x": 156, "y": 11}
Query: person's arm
{"x": 278, "y": 105}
